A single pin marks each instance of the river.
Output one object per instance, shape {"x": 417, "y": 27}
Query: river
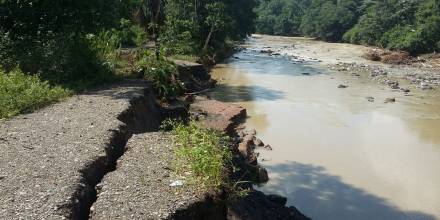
{"x": 335, "y": 154}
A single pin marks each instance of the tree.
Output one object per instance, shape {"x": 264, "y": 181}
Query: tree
{"x": 216, "y": 20}
{"x": 411, "y": 25}
{"x": 50, "y": 37}
{"x": 150, "y": 15}
{"x": 396, "y": 24}
{"x": 280, "y": 17}
{"x": 193, "y": 26}
{"x": 329, "y": 20}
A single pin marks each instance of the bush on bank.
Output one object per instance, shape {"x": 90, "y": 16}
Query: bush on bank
{"x": 21, "y": 93}
{"x": 162, "y": 74}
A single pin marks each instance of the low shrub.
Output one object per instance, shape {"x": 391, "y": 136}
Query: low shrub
{"x": 163, "y": 74}
{"x": 21, "y": 93}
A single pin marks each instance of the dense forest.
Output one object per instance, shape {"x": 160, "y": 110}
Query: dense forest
{"x": 49, "y": 49}
{"x": 410, "y": 25}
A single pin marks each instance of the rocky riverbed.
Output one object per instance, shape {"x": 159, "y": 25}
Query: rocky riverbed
{"x": 424, "y": 74}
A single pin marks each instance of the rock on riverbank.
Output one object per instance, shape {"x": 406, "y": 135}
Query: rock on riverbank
{"x": 420, "y": 78}
{"x": 217, "y": 115}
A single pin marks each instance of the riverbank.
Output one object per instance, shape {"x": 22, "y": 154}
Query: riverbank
{"x": 423, "y": 75}
{"x": 99, "y": 155}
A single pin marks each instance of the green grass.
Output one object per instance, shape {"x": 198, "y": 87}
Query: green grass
{"x": 21, "y": 93}
{"x": 201, "y": 155}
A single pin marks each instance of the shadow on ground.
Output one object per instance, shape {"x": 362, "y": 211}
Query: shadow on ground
{"x": 320, "y": 195}
{"x": 227, "y": 93}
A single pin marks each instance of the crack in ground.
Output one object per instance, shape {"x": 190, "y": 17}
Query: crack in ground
{"x": 143, "y": 115}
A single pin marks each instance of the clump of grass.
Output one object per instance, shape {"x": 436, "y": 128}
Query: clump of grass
{"x": 202, "y": 155}
{"x": 22, "y": 93}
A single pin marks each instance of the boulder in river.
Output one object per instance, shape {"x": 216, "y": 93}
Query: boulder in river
{"x": 245, "y": 148}
{"x": 393, "y": 84}
{"x": 370, "y": 99}
{"x": 280, "y": 200}
{"x": 425, "y": 86}
{"x": 258, "y": 142}
{"x": 266, "y": 51}
{"x": 263, "y": 177}
{"x": 405, "y": 90}
{"x": 253, "y": 132}
{"x": 241, "y": 134}
{"x": 390, "y": 100}
{"x": 268, "y": 147}
{"x": 257, "y": 206}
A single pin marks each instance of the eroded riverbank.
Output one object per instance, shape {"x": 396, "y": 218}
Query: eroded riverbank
{"x": 99, "y": 155}
{"x": 338, "y": 154}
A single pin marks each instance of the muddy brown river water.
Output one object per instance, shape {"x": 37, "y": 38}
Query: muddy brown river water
{"x": 336, "y": 155}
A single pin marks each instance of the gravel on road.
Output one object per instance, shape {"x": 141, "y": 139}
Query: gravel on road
{"x": 48, "y": 157}
{"x": 144, "y": 185}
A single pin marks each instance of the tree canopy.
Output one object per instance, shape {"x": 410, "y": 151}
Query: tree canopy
{"x": 68, "y": 40}
{"x": 411, "y": 25}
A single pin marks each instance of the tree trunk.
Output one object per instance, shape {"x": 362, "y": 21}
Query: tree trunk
{"x": 155, "y": 7}
{"x": 208, "y": 39}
